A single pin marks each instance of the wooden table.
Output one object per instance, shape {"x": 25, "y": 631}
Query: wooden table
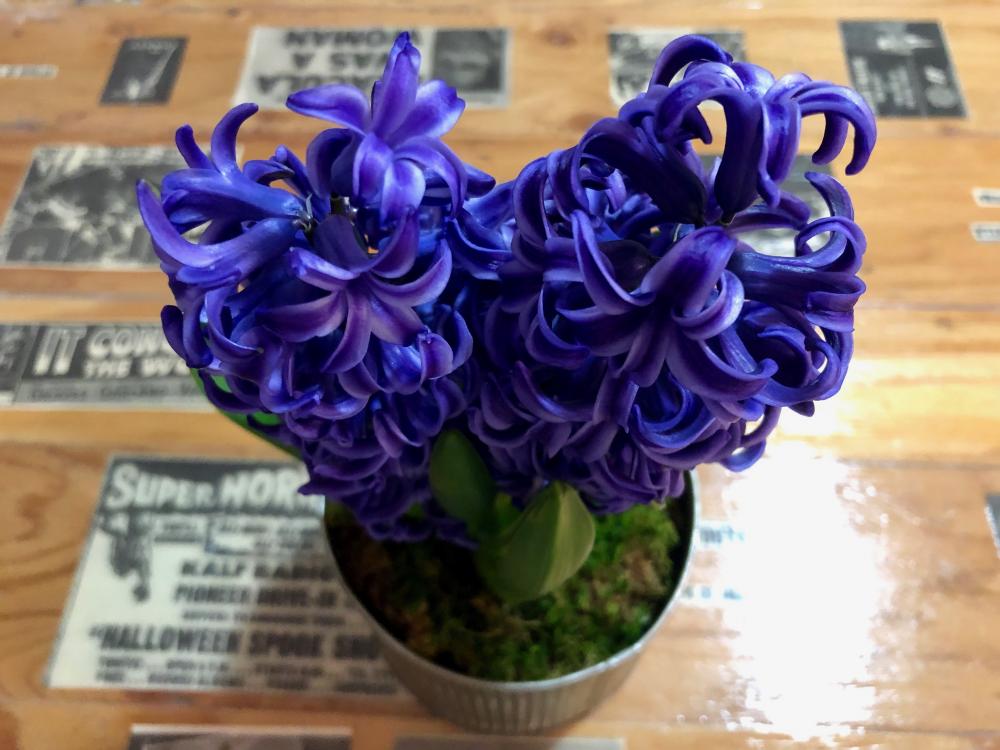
{"x": 861, "y": 606}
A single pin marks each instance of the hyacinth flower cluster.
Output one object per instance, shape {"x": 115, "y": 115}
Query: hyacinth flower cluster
{"x": 599, "y": 321}
{"x": 653, "y": 338}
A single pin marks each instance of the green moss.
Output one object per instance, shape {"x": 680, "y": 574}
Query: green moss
{"x": 429, "y": 596}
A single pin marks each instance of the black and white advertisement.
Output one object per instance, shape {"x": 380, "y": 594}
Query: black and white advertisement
{"x": 902, "y": 68}
{"x": 93, "y": 365}
{"x": 211, "y": 575}
{"x": 281, "y": 60}
{"x": 76, "y": 208}
{"x": 165, "y": 737}
{"x": 633, "y": 52}
{"x": 144, "y": 70}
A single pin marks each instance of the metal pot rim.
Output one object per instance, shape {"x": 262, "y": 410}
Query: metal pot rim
{"x": 551, "y": 682}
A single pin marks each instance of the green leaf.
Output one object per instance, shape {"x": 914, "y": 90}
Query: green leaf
{"x": 541, "y": 549}
{"x": 241, "y": 419}
{"x": 461, "y": 481}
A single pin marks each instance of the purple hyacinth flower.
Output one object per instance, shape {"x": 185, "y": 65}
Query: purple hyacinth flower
{"x": 326, "y": 315}
{"x": 652, "y": 336}
{"x": 396, "y": 135}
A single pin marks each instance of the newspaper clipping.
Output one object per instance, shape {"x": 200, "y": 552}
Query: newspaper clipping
{"x": 76, "y": 208}
{"x": 633, "y": 52}
{"x": 211, "y": 575}
{"x": 105, "y": 365}
{"x": 144, "y": 71}
{"x": 281, "y": 60}
{"x": 903, "y": 68}
{"x": 155, "y": 737}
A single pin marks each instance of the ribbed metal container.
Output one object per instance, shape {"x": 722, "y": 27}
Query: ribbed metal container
{"x": 522, "y": 707}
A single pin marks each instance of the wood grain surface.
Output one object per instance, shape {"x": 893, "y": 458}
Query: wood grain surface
{"x": 860, "y": 606}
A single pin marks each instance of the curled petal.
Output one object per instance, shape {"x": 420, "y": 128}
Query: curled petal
{"x": 684, "y": 50}
{"x": 223, "y": 151}
{"x": 435, "y": 111}
{"x": 335, "y": 102}
{"x": 427, "y": 287}
{"x": 402, "y": 190}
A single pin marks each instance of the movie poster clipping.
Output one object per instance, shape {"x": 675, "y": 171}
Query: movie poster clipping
{"x": 281, "y": 60}
{"x": 93, "y": 365}
{"x": 76, "y": 208}
{"x": 203, "y": 575}
{"x": 632, "y": 54}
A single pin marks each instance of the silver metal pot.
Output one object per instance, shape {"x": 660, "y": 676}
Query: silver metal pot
{"x": 524, "y": 707}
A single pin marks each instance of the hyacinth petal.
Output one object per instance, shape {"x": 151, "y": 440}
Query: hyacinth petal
{"x": 756, "y": 80}
{"x": 691, "y": 270}
{"x": 435, "y": 111}
{"x": 427, "y": 287}
{"x": 685, "y": 95}
{"x": 432, "y": 155}
{"x": 402, "y": 190}
{"x": 614, "y": 399}
{"x": 353, "y": 344}
{"x": 183, "y": 334}
{"x": 371, "y": 163}
{"x": 189, "y": 149}
{"x": 647, "y": 354}
{"x": 207, "y": 191}
{"x": 784, "y": 126}
{"x": 528, "y": 202}
{"x": 699, "y": 368}
{"x": 323, "y": 156}
{"x": 220, "y": 340}
{"x": 306, "y": 320}
{"x": 834, "y": 194}
{"x": 265, "y": 171}
{"x": 223, "y": 144}
{"x": 545, "y": 345}
{"x": 396, "y": 324}
{"x": 834, "y": 138}
{"x": 477, "y": 252}
{"x": 684, "y": 50}
{"x": 396, "y": 256}
{"x": 436, "y": 356}
{"x": 717, "y": 316}
{"x": 394, "y": 97}
{"x": 317, "y": 272}
{"x": 336, "y": 102}
{"x": 736, "y": 180}
{"x": 850, "y": 105}
{"x": 593, "y": 441}
{"x": 542, "y": 406}
{"x": 598, "y": 276}
{"x": 480, "y": 183}
{"x": 263, "y": 240}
